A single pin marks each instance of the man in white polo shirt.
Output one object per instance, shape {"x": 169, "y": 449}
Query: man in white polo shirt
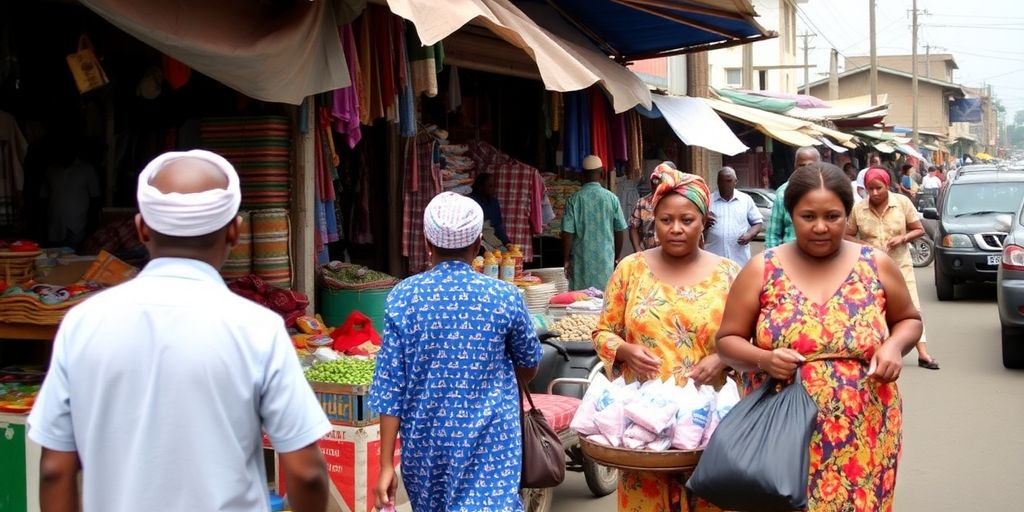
{"x": 159, "y": 388}
{"x": 737, "y": 220}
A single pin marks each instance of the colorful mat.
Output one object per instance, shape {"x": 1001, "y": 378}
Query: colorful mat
{"x": 260, "y": 150}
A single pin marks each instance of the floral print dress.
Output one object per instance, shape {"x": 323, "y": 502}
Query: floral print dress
{"x": 856, "y": 446}
{"x": 678, "y": 326}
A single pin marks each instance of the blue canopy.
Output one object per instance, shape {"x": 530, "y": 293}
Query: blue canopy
{"x": 641, "y": 29}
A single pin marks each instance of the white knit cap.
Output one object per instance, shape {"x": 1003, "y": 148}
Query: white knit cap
{"x": 592, "y": 162}
{"x": 186, "y": 215}
{"x": 452, "y": 221}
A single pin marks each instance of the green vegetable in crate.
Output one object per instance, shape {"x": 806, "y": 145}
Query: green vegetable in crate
{"x": 347, "y": 370}
{"x": 340, "y": 275}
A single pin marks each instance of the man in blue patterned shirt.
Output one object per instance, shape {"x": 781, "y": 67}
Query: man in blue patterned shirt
{"x": 454, "y": 340}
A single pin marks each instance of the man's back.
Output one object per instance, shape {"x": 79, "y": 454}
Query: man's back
{"x": 594, "y": 212}
{"x": 162, "y": 386}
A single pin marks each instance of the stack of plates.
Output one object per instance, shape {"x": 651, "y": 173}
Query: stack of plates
{"x": 538, "y": 296}
{"x": 555, "y": 276}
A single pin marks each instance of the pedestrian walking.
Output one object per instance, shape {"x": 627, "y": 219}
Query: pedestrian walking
{"x": 932, "y": 180}
{"x": 889, "y": 222}
{"x": 454, "y": 341}
{"x": 593, "y": 231}
{"x": 841, "y": 315}
{"x": 873, "y": 161}
{"x": 780, "y": 224}
{"x": 736, "y": 220}
{"x": 641, "y": 222}
{"x": 159, "y": 388}
{"x": 663, "y": 307}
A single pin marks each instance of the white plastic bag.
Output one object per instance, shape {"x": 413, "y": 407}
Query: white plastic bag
{"x": 583, "y": 421}
{"x": 726, "y": 398}
{"x": 636, "y": 437}
{"x": 610, "y": 418}
{"x": 654, "y": 409}
{"x": 692, "y": 418}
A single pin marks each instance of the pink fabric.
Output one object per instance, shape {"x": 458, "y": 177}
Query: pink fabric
{"x": 345, "y": 105}
{"x": 558, "y": 409}
{"x": 877, "y": 173}
{"x": 537, "y": 193}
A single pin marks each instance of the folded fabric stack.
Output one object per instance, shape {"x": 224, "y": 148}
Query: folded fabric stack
{"x": 260, "y": 150}
{"x": 43, "y": 304}
{"x": 290, "y": 305}
{"x": 457, "y": 169}
{"x": 559, "y": 191}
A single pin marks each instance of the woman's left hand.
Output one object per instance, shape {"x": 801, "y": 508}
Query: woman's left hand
{"x": 894, "y": 243}
{"x": 886, "y": 364}
{"x": 707, "y": 370}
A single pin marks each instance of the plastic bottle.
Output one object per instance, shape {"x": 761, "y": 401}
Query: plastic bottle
{"x": 490, "y": 265}
{"x": 517, "y": 255}
{"x": 508, "y": 268}
{"x": 478, "y": 264}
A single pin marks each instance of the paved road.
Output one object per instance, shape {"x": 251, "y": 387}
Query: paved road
{"x": 963, "y": 425}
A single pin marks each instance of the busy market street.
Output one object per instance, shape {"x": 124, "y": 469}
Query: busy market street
{"x": 511, "y": 255}
{"x": 961, "y": 441}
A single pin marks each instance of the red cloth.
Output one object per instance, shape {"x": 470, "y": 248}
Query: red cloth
{"x": 176, "y": 73}
{"x": 558, "y": 410}
{"x": 600, "y": 141}
{"x": 620, "y": 149}
{"x": 423, "y": 182}
{"x": 520, "y": 192}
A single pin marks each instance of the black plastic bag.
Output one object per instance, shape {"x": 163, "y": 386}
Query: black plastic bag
{"x": 758, "y": 459}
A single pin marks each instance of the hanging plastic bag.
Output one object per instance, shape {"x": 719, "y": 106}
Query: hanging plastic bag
{"x": 357, "y": 329}
{"x": 85, "y": 67}
{"x": 759, "y": 457}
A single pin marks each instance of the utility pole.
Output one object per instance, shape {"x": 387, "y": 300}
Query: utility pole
{"x": 873, "y": 73}
{"x": 833, "y": 76}
{"x": 747, "y": 73}
{"x": 914, "y": 70}
{"x": 807, "y": 69}
{"x": 928, "y": 61}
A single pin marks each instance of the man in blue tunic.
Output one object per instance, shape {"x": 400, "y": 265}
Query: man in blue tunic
{"x": 454, "y": 340}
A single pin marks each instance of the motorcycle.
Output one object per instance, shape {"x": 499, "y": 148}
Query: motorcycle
{"x": 566, "y": 369}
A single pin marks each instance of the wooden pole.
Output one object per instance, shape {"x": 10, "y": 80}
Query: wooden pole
{"x": 873, "y": 74}
{"x": 833, "y": 75}
{"x": 913, "y": 67}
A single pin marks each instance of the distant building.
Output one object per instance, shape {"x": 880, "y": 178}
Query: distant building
{"x": 938, "y": 66}
{"x": 770, "y": 56}
{"x": 933, "y": 96}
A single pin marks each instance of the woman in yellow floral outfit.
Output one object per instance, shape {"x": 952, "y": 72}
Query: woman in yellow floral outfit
{"x": 662, "y": 310}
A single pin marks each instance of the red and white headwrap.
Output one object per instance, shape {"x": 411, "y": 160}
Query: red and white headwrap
{"x": 452, "y": 221}
{"x": 188, "y": 215}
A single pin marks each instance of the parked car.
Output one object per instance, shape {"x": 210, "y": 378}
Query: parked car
{"x": 764, "y": 199}
{"x": 975, "y": 212}
{"x": 1010, "y": 295}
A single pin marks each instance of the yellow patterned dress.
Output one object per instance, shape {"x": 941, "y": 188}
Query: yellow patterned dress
{"x": 677, "y": 325}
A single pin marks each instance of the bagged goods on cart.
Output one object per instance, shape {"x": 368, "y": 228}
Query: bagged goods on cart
{"x": 610, "y": 417}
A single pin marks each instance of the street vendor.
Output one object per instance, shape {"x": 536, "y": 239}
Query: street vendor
{"x": 593, "y": 230}
{"x": 485, "y": 195}
{"x": 454, "y": 343}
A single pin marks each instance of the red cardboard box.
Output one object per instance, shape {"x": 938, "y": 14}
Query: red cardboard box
{"x": 352, "y": 455}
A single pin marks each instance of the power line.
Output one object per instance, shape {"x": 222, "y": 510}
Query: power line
{"x": 978, "y": 17}
{"x": 985, "y": 27}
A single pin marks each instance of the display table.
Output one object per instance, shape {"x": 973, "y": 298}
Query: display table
{"x": 18, "y": 331}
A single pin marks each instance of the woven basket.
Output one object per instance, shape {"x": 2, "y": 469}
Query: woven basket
{"x": 669, "y": 461}
{"x": 17, "y": 267}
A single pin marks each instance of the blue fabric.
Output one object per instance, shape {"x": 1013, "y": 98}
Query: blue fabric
{"x": 631, "y": 32}
{"x": 445, "y": 371}
{"x": 492, "y": 212}
{"x": 577, "y": 129}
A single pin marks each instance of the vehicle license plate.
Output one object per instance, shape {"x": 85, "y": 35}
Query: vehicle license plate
{"x": 995, "y": 259}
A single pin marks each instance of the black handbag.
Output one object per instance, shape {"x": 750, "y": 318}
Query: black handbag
{"x": 758, "y": 458}
{"x": 543, "y": 455}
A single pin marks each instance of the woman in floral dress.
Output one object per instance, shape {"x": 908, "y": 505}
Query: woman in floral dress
{"x": 662, "y": 309}
{"x": 840, "y": 314}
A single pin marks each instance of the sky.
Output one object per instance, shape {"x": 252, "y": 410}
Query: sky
{"x": 986, "y": 37}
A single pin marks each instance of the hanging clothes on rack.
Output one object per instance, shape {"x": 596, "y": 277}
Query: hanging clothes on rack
{"x": 345, "y": 109}
{"x": 599, "y": 130}
{"x": 427, "y": 62}
{"x": 13, "y": 148}
{"x": 576, "y": 144}
{"x": 634, "y": 146}
{"x": 423, "y": 182}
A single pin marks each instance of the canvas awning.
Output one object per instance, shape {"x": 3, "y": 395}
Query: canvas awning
{"x": 792, "y": 131}
{"x": 696, "y": 124}
{"x": 261, "y": 49}
{"x": 909, "y": 150}
{"x": 644, "y": 29}
{"x": 563, "y": 65}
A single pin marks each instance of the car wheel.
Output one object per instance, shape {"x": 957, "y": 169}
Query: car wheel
{"x": 922, "y": 251}
{"x": 945, "y": 289}
{"x": 1013, "y": 347}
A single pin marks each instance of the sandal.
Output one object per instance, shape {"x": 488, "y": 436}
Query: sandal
{"x": 931, "y": 365}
